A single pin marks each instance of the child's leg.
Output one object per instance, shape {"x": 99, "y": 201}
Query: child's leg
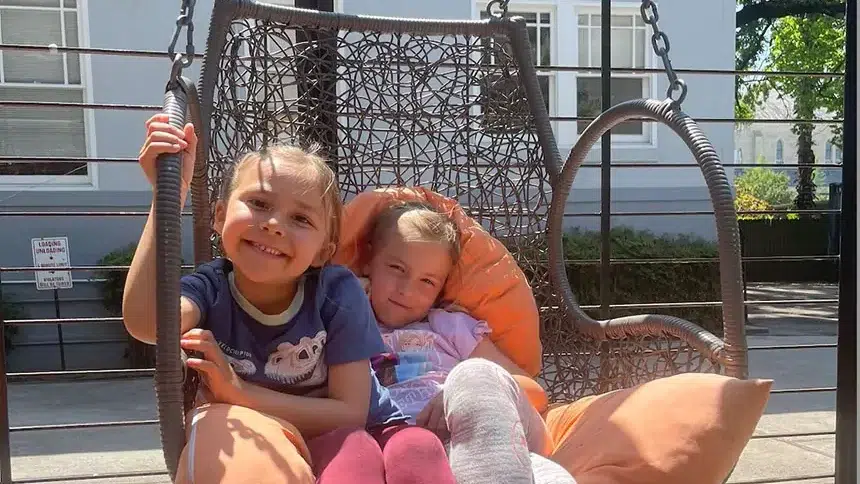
{"x": 413, "y": 455}
{"x": 229, "y": 444}
{"x": 493, "y": 426}
{"x": 546, "y": 471}
{"x": 347, "y": 456}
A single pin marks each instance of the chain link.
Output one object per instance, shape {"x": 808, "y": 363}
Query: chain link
{"x": 661, "y": 46}
{"x": 503, "y": 8}
{"x": 186, "y": 20}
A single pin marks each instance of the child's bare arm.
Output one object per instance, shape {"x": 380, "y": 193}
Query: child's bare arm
{"x": 138, "y": 303}
{"x": 138, "y": 300}
{"x": 346, "y": 405}
{"x": 489, "y": 351}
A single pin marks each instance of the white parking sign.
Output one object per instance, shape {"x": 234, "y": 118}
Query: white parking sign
{"x": 52, "y": 252}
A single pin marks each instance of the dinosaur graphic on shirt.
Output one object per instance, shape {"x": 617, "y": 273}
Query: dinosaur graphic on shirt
{"x": 299, "y": 364}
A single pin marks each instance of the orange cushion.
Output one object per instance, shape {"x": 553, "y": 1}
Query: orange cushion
{"x": 534, "y": 392}
{"x": 667, "y": 430}
{"x": 487, "y": 282}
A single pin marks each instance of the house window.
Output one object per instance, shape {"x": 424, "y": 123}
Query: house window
{"x": 739, "y": 156}
{"x": 828, "y": 152}
{"x": 41, "y": 76}
{"x": 779, "y": 150}
{"x": 629, "y": 50}
{"x": 497, "y": 91}
{"x": 838, "y": 156}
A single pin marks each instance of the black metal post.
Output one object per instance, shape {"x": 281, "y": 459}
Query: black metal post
{"x": 605, "y": 158}
{"x": 846, "y": 348}
{"x": 320, "y": 83}
{"x": 59, "y": 329}
{"x": 5, "y": 446}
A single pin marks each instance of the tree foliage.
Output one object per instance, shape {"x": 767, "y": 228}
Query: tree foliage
{"x": 794, "y": 36}
{"x": 812, "y": 43}
{"x": 790, "y": 35}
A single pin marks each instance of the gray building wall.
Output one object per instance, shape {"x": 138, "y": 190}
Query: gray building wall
{"x": 117, "y": 24}
{"x": 135, "y": 80}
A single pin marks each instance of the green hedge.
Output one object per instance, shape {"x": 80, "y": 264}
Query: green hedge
{"x": 140, "y": 355}
{"x": 11, "y": 311}
{"x": 648, "y": 283}
{"x": 111, "y": 286}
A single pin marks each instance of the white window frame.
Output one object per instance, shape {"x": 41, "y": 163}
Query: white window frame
{"x": 649, "y": 137}
{"x": 564, "y": 13}
{"x": 86, "y": 182}
{"x": 537, "y": 8}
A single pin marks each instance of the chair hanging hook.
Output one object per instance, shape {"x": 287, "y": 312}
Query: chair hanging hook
{"x": 677, "y": 90}
{"x": 503, "y": 8}
{"x": 186, "y": 20}
{"x": 176, "y": 70}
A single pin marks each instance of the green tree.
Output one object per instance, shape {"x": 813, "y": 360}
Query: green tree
{"x": 812, "y": 40}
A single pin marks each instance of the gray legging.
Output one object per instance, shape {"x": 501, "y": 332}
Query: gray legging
{"x": 496, "y": 434}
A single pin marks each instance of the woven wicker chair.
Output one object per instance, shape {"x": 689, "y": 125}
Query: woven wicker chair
{"x": 453, "y": 106}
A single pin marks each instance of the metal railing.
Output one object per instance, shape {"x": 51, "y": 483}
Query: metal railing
{"x": 848, "y": 257}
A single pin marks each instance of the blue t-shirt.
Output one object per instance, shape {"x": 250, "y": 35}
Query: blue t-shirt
{"x": 329, "y": 322}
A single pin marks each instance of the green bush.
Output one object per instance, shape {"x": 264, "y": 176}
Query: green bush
{"x": 766, "y": 185}
{"x": 111, "y": 286}
{"x": 113, "y": 282}
{"x": 10, "y": 311}
{"x": 648, "y": 283}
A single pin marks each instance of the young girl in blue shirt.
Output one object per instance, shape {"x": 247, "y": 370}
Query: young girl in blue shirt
{"x": 280, "y": 331}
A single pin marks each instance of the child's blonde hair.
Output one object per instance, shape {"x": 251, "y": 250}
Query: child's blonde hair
{"x": 311, "y": 157}
{"x": 422, "y": 220}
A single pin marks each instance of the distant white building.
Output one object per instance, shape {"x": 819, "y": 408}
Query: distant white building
{"x": 776, "y": 143}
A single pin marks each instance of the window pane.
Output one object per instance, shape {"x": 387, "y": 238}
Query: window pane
{"x": 543, "y": 81}
{"x": 595, "y": 20}
{"x": 584, "y": 60}
{"x": 589, "y": 101}
{"x": 73, "y": 61}
{"x": 583, "y": 20}
{"x": 71, "y": 20}
{"x": 42, "y": 131}
{"x": 545, "y": 47}
{"x": 595, "y": 48}
{"x": 529, "y": 16}
{"x": 31, "y": 3}
{"x": 622, "y": 48}
{"x": 621, "y": 21}
{"x": 639, "y": 36}
{"x": 544, "y": 18}
{"x": 70, "y": 3}
{"x": 533, "y": 43}
{"x": 31, "y": 27}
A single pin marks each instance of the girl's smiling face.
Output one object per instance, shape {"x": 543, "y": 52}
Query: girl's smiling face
{"x": 275, "y": 224}
{"x": 406, "y": 278}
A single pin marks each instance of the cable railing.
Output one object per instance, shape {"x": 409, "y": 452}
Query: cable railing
{"x": 103, "y": 374}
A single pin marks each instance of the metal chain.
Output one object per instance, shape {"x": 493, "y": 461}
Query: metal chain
{"x": 185, "y": 19}
{"x": 503, "y": 8}
{"x": 660, "y": 43}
